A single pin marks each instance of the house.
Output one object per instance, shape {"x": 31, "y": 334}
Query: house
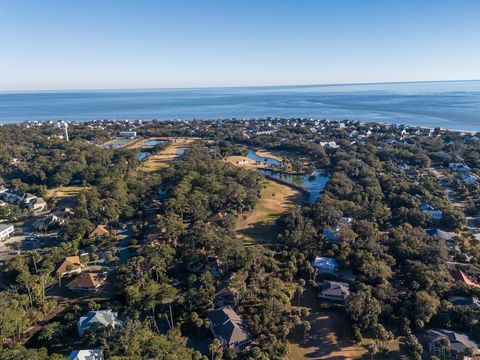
{"x": 48, "y": 222}
{"x": 440, "y": 234}
{"x": 333, "y": 235}
{"x": 29, "y": 199}
{"x": 459, "y": 167}
{"x": 90, "y": 354}
{"x": 100, "y": 230}
{"x": 462, "y": 277}
{"x": 329, "y": 144}
{"x": 86, "y": 283}
{"x": 435, "y": 214}
{"x": 456, "y": 346}
{"x": 38, "y": 205}
{"x": 345, "y": 220}
{"x": 325, "y": 265}
{"x": 229, "y": 328}
{"x": 334, "y": 291}
{"x": 102, "y": 318}
{"x": 128, "y": 134}
{"x": 225, "y": 297}
{"x": 6, "y": 230}
{"x": 470, "y": 301}
{"x": 470, "y": 179}
{"x": 425, "y": 207}
{"x": 71, "y": 265}
{"x": 428, "y": 209}
{"x": 3, "y": 190}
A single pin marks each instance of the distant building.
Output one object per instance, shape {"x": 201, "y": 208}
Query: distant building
{"x": 334, "y": 291}
{"x": 91, "y": 354}
{"x": 229, "y": 328}
{"x": 459, "y": 346}
{"x": 325, "y": 265}
{"x": 101, "y": 318}
{"x": 86, "y": 283}
{"x": 6, "y": 230}
{"x": 128, "y": 134}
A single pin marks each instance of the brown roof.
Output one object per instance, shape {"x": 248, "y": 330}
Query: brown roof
{"x": 70, "y": 261}
{"x": 99, "y": 231}
{"x": 85, "y": 280}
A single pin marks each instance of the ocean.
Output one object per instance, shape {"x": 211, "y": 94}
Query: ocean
{"x": 450, "y": 104}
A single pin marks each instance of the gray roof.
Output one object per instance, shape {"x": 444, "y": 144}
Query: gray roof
{"x": 440, "y": 234}
{"x": 458, "y": 342}
{"x": 100, "y": 317}
{"x": 228, "y": 325}
{"x": 332, "y": 234}
{"x": 470, "y": 301}
{"x": 335, "y": 288}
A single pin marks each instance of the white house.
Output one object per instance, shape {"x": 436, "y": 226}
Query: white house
{"x": 6, "y": 230}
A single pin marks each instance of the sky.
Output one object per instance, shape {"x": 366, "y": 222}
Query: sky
{"x": 108, "y": 44}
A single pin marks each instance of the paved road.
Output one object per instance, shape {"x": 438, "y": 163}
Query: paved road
{"x": 124, "y": 250}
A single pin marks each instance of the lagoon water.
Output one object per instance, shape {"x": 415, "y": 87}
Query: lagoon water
{"x": 314, "y": 183}
{"x": 452, "y": 105}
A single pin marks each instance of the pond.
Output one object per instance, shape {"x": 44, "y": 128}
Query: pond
{"x": 180, "y": 152}
{"x": 265, "y": 160}
{"x": 117, "y": 144}
{"x": 143, "y": 155}
{"x": 314, "y": 183}
{"x": 153, "y": 142}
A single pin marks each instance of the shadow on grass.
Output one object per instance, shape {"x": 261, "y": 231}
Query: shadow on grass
{"x": 330, "y": 336}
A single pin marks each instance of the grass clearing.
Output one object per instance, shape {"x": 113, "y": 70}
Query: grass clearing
{"x": 259, "y": 226}
{"x": 64, "y": 191}
{"x": 66, "y": 196}
{"x": 243, "y": 161}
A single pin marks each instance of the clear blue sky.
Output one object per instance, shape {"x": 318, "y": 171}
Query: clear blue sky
{"x": 75, "y": 44}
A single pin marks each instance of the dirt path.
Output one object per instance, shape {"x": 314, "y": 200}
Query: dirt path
{"x": 330, "y": 336}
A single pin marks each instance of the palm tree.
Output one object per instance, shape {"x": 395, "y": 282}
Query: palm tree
{"x": 216, "y": 350}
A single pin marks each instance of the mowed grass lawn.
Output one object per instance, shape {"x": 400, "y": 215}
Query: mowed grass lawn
{"x": 259, "y": 225}
{"x": 66, "y": 195}
{"x": 162, "y": 160}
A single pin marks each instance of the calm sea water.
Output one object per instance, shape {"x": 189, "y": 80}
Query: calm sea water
{"x": 453, "y": 105}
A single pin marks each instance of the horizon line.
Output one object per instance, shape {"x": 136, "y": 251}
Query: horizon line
{"x": 237, "y": 86}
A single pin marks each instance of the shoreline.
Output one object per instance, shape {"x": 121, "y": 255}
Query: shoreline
{"x": 383, "y": 123}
